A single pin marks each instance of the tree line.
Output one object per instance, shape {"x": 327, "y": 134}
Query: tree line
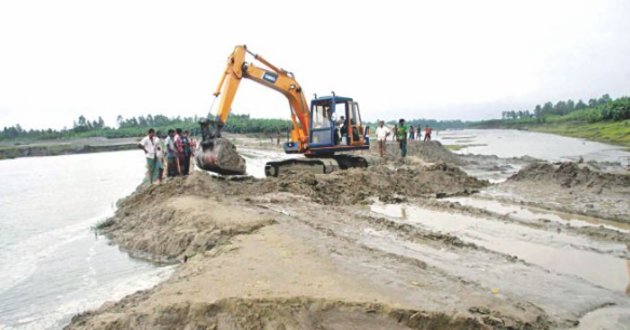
{"x": 596, "y": 109}
{"x": 83, "y": 127}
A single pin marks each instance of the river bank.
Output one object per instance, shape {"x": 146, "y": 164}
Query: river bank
{"x": 413, "y": 244}
{"x": 18, "y": 149}
{"x": 65, "y": 147}
{"x": 611, "y": 132}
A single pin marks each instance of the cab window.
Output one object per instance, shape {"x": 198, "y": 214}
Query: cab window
{"x": 322, "y": 116}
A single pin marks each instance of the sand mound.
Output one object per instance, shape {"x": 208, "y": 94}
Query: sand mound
{"x": 357, "y": 186}
{"x": 431, "y": 152}
{"x": 571, "y": 175}
{"x": 178, "y": 218}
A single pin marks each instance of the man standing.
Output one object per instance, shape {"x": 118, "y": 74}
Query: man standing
{"x": 151, "y": 145}
{"x": 185, "y": 160}
{"x": 179, "y": 148}
{"x": 412, "y": 133}
{"x": 427, "y": 133}
{"x": 382, "y": 132}
{"x": 401, "y": 134}
{"x": 171, "y": 154}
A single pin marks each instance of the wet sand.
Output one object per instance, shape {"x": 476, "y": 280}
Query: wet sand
{"x": 417, "y": 243}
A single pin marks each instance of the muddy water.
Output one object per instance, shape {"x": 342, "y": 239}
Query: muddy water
{"x": 256, "y": 159}
{"x": 514, "y": 143}
{"x": 600, "y": 263}
{"x": 535, "y": 215}
{"x": 52, "y": 265}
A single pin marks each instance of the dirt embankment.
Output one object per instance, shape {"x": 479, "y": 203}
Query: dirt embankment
{"x": 571, "y": 187}
{"x": 55, "y": 150}
{"x": 302, "y": 251}
{"x": 572, "y": 175}
{"x": 382, "y": 182}
{"x": 253, "y": 265}
{"x": 66, "y": 147}
{"x": 142, "y": 225}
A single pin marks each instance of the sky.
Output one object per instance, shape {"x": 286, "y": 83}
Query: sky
{"x": 465, "y": 60}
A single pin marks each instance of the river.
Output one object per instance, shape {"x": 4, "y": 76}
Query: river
{"x": 52, "y": 265}
{"x": 515, "y": 143}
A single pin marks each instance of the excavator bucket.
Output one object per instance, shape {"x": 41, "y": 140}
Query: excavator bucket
{"x": 220, "y": 156}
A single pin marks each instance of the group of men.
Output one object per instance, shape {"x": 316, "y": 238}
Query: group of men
{"x": 173, "y": 153}
{"x": 401, "y": 133}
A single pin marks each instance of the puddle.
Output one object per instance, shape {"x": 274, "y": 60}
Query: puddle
{"x": 256, "y": 160}
{"x": 562, "y": 253}
{"x": 532, "y": 214}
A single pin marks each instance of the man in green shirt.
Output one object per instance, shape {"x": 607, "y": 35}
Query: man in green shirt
{"x": 401, "y": 135}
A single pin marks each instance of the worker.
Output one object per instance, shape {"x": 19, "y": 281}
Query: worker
{"x": 159, "y": 154}
{"x": 402, "y": 137}
{"x": 171, "y": 154}
{"x": 343, "y": 126}
{"x": 179, "y": 149}
{"x": 186, "y": 153}
{"x": 427, "y": 133}
{"x": 150, "y": 145}
{"x": 382, "y": 132}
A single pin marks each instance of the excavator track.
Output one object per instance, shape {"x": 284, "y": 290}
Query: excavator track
{"x": 323, "y": 165}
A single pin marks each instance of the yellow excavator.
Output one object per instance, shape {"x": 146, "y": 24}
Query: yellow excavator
{"x": 317, "y": 133}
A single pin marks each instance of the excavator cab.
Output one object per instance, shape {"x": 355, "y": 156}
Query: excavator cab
{"x": 336, "y": 126}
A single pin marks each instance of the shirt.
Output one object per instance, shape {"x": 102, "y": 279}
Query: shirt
{"x": 159, "y": 149}
{"x": 178, "y": 144}
{"x": 150, "y": 145}
{"x": 170, "y": 147}
{"x": 402, "y": 133}
{"x": 185, "y": 145}
{"x": 382, "y": 132}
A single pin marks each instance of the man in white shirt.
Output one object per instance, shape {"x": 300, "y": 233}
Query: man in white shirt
{"x": 382, "y": 132}
{"x": 153, "y": 152}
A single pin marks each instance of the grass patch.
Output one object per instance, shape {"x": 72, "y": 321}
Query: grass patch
{"x": 454, "y": 147}
{"x": 617, "y": 132}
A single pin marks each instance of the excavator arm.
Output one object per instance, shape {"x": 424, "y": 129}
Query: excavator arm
{"x": 273, "y": 77}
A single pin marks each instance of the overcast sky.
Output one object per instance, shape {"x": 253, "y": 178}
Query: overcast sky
{"x": 435, "y": 59}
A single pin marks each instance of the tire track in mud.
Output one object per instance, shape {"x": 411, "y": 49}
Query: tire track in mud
{"x": 564, "y": 296}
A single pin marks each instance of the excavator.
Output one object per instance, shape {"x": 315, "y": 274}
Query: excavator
{"x": 317, "y": 133}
